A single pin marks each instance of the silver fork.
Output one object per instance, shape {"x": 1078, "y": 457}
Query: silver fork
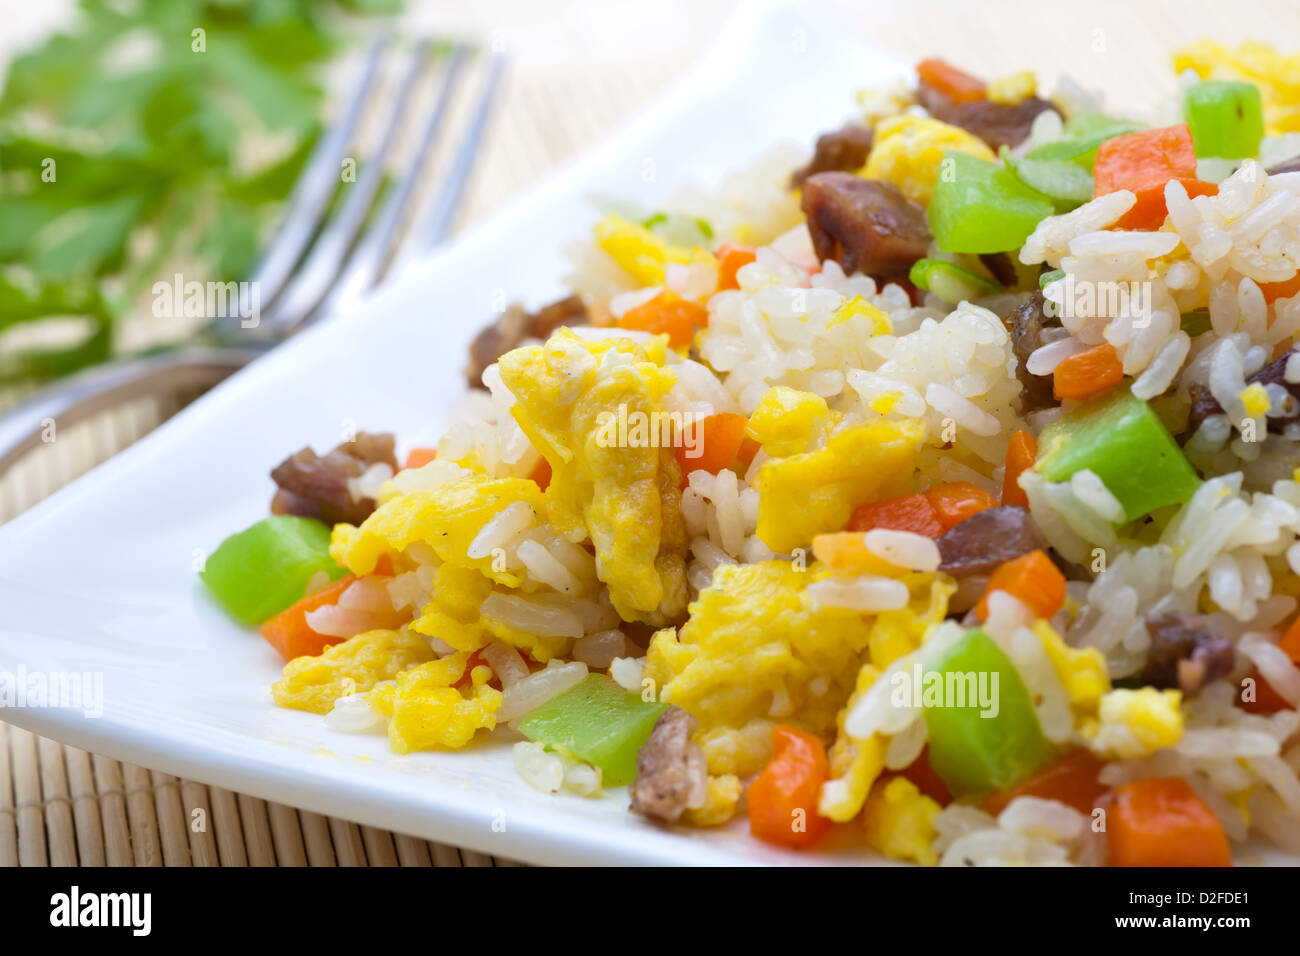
{"x": 311, "y": 268}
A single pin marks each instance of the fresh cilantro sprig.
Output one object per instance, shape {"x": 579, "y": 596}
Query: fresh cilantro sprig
{"x": 122, "y": 148}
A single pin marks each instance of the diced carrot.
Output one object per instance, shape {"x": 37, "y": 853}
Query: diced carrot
{"x": 1163, "y": 822}
{"x": 1281, "y": 290}
{"x": 1267, "y": 700}
{"x": 1146, "y": 158}
{"x": 1149, "y": 211}
{"x": 782, "y": 800}
{"x": 1072, "y": 780}
{"x": 908, "y": 513}
{"x": 955, "y": 501}
{"x": 730, "y": 260}
{"x": 383, "y": 566}
{"x": 957, "y": 85}
{"x": 419, "y": 457}
{"x": 1032, "y": 578}
{"x": 1088, "y": 373}
{"x": 711, "y": 444}
{"x": 541, "y": 474}
{"x": 290, "y": 634}
{"x": 476, "y": 659}
{"x": 669, "y": 314}
{"x": 748, "y": 449}
{"x": 1021, "y": 455}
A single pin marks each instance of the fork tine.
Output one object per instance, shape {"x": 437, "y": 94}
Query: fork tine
{"x": 368, "y": 260}
{"x": 318, "y": 273}
{"x": 315, "y": 186}
{"x": 438, "y": 221}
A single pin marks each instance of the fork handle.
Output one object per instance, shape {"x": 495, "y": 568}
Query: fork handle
{"x": 38, "y": 417}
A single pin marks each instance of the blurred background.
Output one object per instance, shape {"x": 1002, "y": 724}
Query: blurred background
{"x": 170, "y": 162}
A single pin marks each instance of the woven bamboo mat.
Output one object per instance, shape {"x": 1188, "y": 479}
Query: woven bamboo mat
{"x": 62, "y": 806}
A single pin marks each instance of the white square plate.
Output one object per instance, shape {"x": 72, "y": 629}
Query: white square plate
{"x": 100, "y": 577}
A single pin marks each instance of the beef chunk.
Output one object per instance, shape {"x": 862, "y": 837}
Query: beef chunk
{"x": 516, "y": 325}
{"x": 843, "y": 150}
{"x": 998, "y": 124}
{"x": 316, "y": 486}
{"x": 1027, "y": 325}
{"x": 669, "y": 768}
{"x": 1186, "y": 652}
{"x": 865, "y": 226}
{"x": 987, "y": 539}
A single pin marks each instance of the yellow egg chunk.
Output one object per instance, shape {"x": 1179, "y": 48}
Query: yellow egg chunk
{"x": 1136, "y": 723}
{"x": 447, "y": 519}
{"x": 427, "y": 713}
{"x": 352, "y": 667}
{"x": 594, "y": 409}
{"x": 908, "y": 151}
{"x": 785, "y": 421}
{"x": 815, "y": 493}
{"x": 900, "y": 822}
{"x": 639, "y": 252}
{"x": 1082, "y": 672}
{"x": 1013, "y": 88}
{"x": 722, "y": 796}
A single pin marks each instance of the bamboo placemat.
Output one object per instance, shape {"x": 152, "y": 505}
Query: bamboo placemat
{"x": 62, "y": 806}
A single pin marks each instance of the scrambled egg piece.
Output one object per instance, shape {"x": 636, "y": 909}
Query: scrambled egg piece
{"x": 1256, "y": 400}
{"x": 638, "y": 251}
{"x": 1135, "y": 723}
{"x": 1013, "y": 89}
{"x": 722, "y": 795}
{"x": 1082, "y": 672}
{"x": 1276, "y": 75}
{"x": 352, "y": 667}
{"x": 447, "y": 518}
{"x": 786, "y": 421}
{"x": 858, "y": 307}
{"x": 427, "y": 712}
{"x": 454, "y": 614}
{"x": 594, "y": 409}
{"x": 810, "y": 494}
{"x": 730, "y": 750}
{"x": 754, "y": 649}
{"x": 855, "y": 763}
{"x": 900, "y": 822}
{"x": 909, "y": 149}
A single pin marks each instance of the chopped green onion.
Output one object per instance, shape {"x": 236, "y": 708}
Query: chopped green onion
{"x": 950, "y": 282}
{"x": 1060, "y": 179}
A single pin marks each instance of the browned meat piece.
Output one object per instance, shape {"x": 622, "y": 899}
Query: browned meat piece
{"x": 668, "y": 768}
{"x": 1185, "y": 652}
{"x": 1274, "y": 373}
{"x": 1027, "y": 324}
{"x": 864, "y": 225}
{"x": 987, "y": 539}
{"x": 514, "y": 326}
{"x": 1001, "y": 268}
{"x": 998, "y": 124}
{"x": 316, "y": 486}
{"x": 842, "y": 150}
{"x": 1291, "y": 165}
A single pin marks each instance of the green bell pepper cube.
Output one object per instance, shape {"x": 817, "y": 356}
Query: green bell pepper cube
{"x": 1226, "y": 118}
{"x": 596, "y": 721}
{"x": 265, "y": 568}
{"x": 1121, "y": 440}
{"x": 979, "y": 206}
{"x": 987, "y": 744}
{"x": 949, "y": 282}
